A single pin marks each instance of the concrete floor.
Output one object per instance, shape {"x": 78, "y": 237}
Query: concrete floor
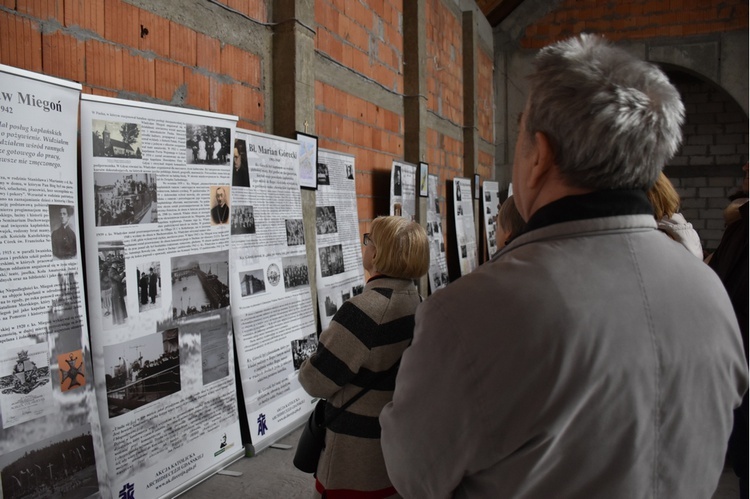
{"x": 271, "y": 475}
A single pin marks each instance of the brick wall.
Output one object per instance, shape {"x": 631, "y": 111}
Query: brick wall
{"x": 485, "y": 97}
{"x": 637, "y": 19}
{"x": 707, "y": 168}
{"x": 115, "y": 49}
{"x": 444, "y": 62}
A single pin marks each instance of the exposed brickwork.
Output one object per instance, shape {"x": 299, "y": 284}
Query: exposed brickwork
{"x": 486, "y": 166}
{"x": 444, "y": 62}
{"x": 350, "y": 124}
{"x": 101, "y": 44}
{"x": 364, "y": 36}
{"x": 485, "y": 96}
{"x": 637, "y": 19}
{"x": 715, "y": 135}
{"x": 445, "y": 157}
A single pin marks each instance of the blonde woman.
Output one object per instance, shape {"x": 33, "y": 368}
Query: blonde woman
{"x": 666, "y": 203}
{"x": 365, "y": 339}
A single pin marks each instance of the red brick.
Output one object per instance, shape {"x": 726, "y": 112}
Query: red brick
{"x": 87, "y": 14}
{"x": 250, "y": 126}
{"x": 182, "y": 44}
{"x": 169, "y": 77}
{"x": 121, "y": 23}
{"x": 138, "y": 74}
{"x": 42, "y": 9}
{"x": 157, "y": 39}
{"x": 198, "y": 89}
{"x": 248, "y": 103}
{"x": 208, "y": 53}
{"x": 20, "y": 43}
{"x": 103, "y": 65}
{"x": 63, "y": 56}
{"x": 240, "y": 65}
{"x": 220, "y": 100}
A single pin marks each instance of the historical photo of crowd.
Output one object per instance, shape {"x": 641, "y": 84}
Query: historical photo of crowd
{"x": 149, "y": 285}
{"x": 331, "y": 260}
{"x": 295, "y": 271}
{"x": 124, "y": 198}
{"x": 141, "y": 370}
{"x": 323, "y": 177}
{"x": 207, "y": 145}
{"x": 113, "y": 139}
{"x": 295, "y": 232}
{"x": 303, "y": 349}
{"x": 113, "y": 283}
{"x": 325, "y": 220}
{"x": 61, "y": 466}
{"x": 243, "y": 220}
{"x": 252, "y": 282}
{"x": 62, "y": 227}
{"x": 200, "y": 283}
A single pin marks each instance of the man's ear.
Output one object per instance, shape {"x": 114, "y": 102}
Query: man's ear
{"x": 544, "y": 159}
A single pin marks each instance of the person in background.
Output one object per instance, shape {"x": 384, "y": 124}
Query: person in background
{"x": 666, "y": 203}
{"x": 730, "y": 261}
{"x": 366, "y": 337}
{"x": 591, "y": 357}
{"x": 509, "y": 223}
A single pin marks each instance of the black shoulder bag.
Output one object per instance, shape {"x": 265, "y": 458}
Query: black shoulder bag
{"x": 313, "y": 439}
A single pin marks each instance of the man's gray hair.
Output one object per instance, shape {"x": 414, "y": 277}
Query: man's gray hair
{"x": 613, "y": 120}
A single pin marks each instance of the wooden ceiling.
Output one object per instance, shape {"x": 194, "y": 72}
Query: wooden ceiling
{"x": 497, "y": 10}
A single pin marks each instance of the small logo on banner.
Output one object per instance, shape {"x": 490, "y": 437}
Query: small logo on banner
{"x": 262, "y": 427}
{"x": 127, "y": 491}
{"x": 223, "y": 446}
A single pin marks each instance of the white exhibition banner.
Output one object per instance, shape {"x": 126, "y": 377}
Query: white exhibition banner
{"x": 339, "y": 271}
{"x": 463, "y": 213}
{"x": 274, "y": 318}
{"x": 403, "y": 190}
{"x": 50, "y": 437}
{"x": 490, "y": 202}
{"x": 156, "y": 195}
{"x": 438, "y": 270}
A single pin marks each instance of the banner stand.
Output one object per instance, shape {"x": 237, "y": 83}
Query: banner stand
{"x": 205, "y": 475}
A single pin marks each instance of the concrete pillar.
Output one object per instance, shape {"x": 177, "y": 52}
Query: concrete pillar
{"x": 415, "y": 98}
{"x": 293, "y": 84}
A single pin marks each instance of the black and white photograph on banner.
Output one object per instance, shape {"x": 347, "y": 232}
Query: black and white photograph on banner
{"x": 295, "y": 271}
{"x": 252, "y": 283}
{"x": 219, "y": 204}
{"x": 331, "y": 260}
{"x": 330, "y": 305}
{"x": 460, "y": 211}
{"x": 397, "y": 180}
{"x": 349, "y": 172}
{"x": 113, "y": 139}
{"x": 63, "y": 232}
{"x": 463, "y": 251}
{"x": 435, "y": 227}
{"x": 207, "y": 145}
{"x": 200, "y": 283}
{"x": 113, "y": 283}
{"x": 243, "y": 220}
{"x": 240, "y": 171}
{"x": 62, "y": 466}
{"x": 148, "y": 277}
{"x": 295, "y": 232}
{"x": 25, "y": 384}
{"x": 141, "y": 370}
{"x": 323, "y": 177}
{"x": 457, "y": 188}
{"x": 325, "y": 220}
{"x": 424, "y": 173}
{"x": 214, "y": 354}
{"x": 124, "y": 198}
{"x": 303, "y": 349}
{"x": 345, "y": 295}
{"x": 487, "y": 196}
{"x": 429, "y": 230}
{"x": 357, "y": 290}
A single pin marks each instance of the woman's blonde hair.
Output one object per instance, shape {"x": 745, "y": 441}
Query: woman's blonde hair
{"x": 663, "y": 197}
{"x": 402, "y": 247}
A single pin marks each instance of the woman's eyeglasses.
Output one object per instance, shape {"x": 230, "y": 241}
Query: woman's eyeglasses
{"x": 366, "y": 239}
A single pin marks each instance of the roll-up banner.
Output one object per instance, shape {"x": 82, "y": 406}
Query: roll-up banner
{"x": 403, "y": 190}
{"x": 339, "y": 271}
{"x": 463, "y": 213}
{"x": 50, "y": 437}
{"x": 490, "y": 205}
{"x": 158, "y": 212}
{"x": 274, "y": 320}
{"x": 438, "y": 270}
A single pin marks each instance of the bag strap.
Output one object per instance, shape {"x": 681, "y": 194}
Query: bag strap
{"x": 359, "y": 394}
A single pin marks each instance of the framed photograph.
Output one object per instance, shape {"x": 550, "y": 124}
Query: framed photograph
{"x": 308, "y": 160}
{"x": 424, "y": 170}
{"x": 476, "y": 186}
